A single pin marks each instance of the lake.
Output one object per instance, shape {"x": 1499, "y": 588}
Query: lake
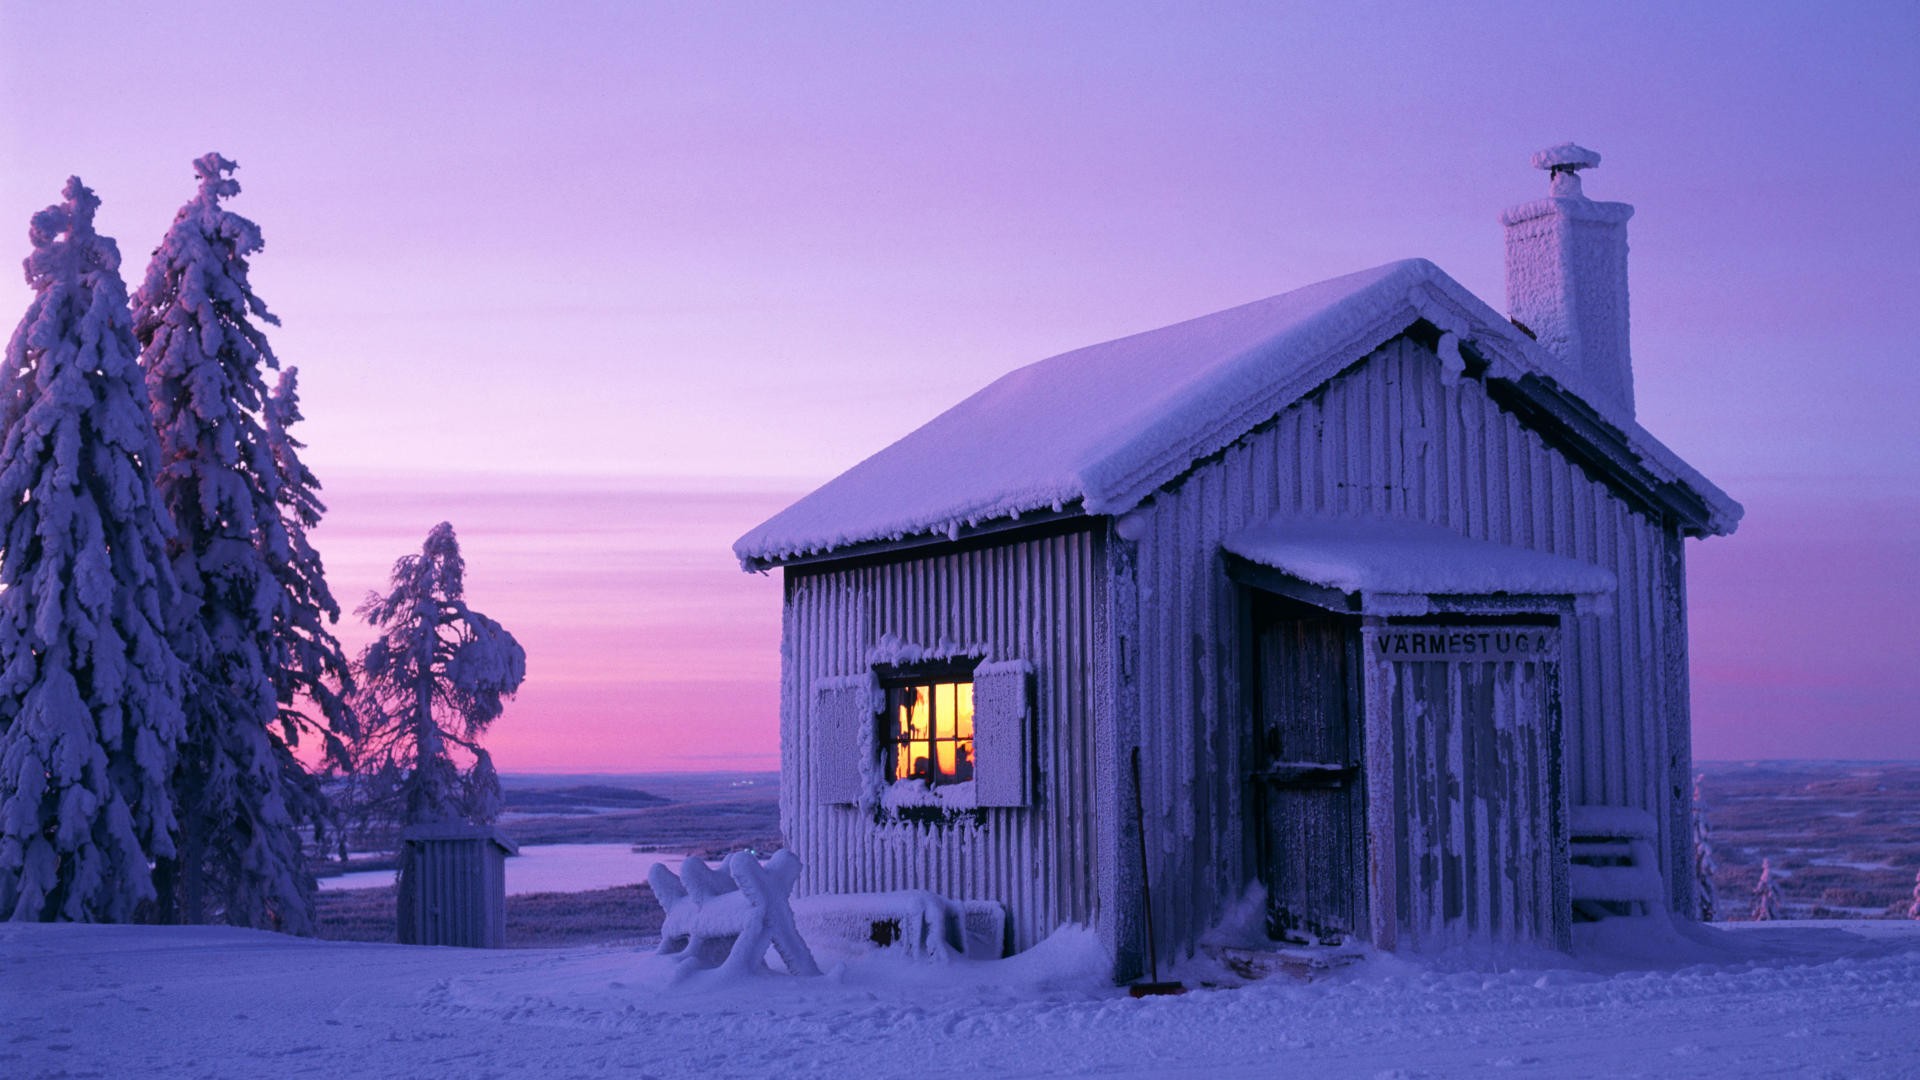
{"x": 543, "y": 868}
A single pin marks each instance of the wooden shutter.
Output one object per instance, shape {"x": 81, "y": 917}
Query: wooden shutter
{"x": 1002, "y": 709}
{"x": 841, "y": 747}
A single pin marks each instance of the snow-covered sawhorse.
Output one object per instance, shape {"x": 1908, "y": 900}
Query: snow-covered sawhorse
{"x": 729, "y": 919}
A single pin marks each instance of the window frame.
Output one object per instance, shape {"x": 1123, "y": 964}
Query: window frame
{"x": 927, "y": 674}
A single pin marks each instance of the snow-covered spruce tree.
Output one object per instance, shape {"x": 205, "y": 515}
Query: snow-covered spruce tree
{"x": 1766, "y": 894}
{"x": 1704, "y": 866}
{"x": 309, "y": 667}
{"x": 90, "y": 688}
{"x": 1913, "y": 909}
{"x": 242, "y": 795}
{"x": 430, "y": 684}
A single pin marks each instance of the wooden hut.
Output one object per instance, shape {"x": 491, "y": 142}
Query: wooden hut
{"x": 453, "y": 885}
{"x": 1380, "y": 582}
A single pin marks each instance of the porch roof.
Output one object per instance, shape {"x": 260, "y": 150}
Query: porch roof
{"x": 1397, "y": 566}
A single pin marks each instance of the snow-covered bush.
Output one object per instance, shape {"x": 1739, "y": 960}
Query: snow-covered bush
{"x": 430, "y": 684}
{"x": 1704, "y": 866}
{"x": 1766, "y": 894}
{"x": 247, "y": 634}
{"x": 90, "y": 688}
{"x": 1913, "y": 909}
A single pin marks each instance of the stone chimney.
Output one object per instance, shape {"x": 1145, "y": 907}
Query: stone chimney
{"x": 1567, "y": 277}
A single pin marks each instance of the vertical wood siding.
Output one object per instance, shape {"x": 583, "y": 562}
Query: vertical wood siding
{"x": 1476, "y": 792}
{"x": 453, "y": 892}
{"x": 1389, "y": 438}
{"x": 1031, "y": 600}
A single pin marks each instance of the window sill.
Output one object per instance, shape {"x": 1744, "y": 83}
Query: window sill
{"x": 919, "y": 795}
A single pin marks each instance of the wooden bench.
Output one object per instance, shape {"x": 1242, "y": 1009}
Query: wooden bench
{"x": 1615, "y": 870}
{"x": 922, "y": 923}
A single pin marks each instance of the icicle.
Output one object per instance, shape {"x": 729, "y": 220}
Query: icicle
{"x": 1452, "y": 364}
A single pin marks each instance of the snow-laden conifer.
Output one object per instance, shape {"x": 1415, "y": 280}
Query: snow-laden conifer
{"x": 89, "y": 683}
{"x": 1704, "y": 867}
{"x": 431, "y": 683}
{"x": 310, "y": 669}
{"x": 196, "y": 317}
{"x": 1766, "y": 894}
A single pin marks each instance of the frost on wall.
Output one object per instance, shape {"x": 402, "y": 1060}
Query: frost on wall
{"x": 845, "y": 764}
{"x": 1002, "y": 706}
{"x": 89, "y": 684}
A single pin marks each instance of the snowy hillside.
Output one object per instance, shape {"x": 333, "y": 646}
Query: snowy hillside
{"x": 1777, "y": 1000}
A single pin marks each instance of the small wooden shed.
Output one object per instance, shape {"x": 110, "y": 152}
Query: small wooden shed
{"x": 1379, "y": 581}
{"x": 453, "y": 885}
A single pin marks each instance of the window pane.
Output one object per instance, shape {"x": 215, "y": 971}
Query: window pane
{"x": 917, "y": 712}
{"x": 920, "y": 754}
{"x": 946, "y": 757}
{"x": 963, "y": 768}
{"x": 963, "y": 711}
{"x": 943, "y": 714}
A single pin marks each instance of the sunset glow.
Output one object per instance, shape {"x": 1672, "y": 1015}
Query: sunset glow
{"x": 607, "y": 285}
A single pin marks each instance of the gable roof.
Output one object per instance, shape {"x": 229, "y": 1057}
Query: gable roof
{"x": 1099, "y": 429}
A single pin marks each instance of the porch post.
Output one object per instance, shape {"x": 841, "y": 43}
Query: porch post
{"x": 1383, "y": 833}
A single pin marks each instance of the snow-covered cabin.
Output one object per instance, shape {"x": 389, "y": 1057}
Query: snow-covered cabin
{"x": 1376, "y": 581}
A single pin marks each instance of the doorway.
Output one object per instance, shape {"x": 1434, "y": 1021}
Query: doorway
{"x": 1308, "y": 804}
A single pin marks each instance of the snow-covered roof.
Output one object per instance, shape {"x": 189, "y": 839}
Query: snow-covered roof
{"x": 1398, "y": 557}
{"x": 1101, "y": 428}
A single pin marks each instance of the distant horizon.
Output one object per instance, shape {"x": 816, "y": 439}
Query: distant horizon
{"x": 775, "y": 772}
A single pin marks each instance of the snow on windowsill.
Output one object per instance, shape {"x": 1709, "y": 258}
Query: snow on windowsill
{"x": 919, "y": 795}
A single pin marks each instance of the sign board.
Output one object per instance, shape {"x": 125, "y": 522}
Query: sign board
{"x": 1453, "y": 644}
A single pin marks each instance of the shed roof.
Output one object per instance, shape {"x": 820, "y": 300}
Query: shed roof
{"x": 1371, "y": 558}
{"x": 1099, "y": 429}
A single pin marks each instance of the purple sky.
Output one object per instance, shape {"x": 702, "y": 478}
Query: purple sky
{"x": 604, "y": 284}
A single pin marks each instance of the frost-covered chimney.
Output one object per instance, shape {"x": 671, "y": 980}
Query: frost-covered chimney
{"x": 1567, "y": 275}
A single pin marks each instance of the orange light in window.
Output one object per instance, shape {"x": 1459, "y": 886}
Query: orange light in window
{"x": 963, "y": 713}
{"x": 943, "y": 717}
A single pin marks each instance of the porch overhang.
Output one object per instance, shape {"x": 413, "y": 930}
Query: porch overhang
{"x": 1396, "y": 567}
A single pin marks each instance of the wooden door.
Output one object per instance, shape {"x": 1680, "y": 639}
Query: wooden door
{"x": 1306, "y": 783}
{"x": 1478, "y": 805}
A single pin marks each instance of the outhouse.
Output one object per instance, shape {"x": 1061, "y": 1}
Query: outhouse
{"x": 1382, "y": 584}
{"x": 453, "y": 885}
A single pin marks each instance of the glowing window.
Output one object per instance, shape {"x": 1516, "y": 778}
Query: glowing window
{"x": 928, "y": 730}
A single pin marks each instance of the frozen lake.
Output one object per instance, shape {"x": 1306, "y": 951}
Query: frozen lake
{"x": 548, "y": 868}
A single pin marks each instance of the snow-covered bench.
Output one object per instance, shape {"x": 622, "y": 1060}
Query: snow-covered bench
{"x": 922, "y": 923}
{"x": 728, "y": 920}
{"x": 1615, "y": 870}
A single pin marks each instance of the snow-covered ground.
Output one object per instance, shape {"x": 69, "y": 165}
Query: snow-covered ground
{"x": 1787, "y": 999}
{"x": 542, "y": 868}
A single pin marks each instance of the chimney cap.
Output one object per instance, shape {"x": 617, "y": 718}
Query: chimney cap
{"x": 1567, "y": 157}
{"x": 1563, "y": 163}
